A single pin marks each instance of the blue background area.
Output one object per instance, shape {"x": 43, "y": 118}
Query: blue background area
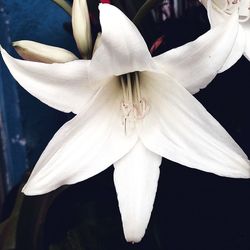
{"x": 27, "y": 124}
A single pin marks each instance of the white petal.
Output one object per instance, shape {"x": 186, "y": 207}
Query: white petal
{"x": 136, "y": 178}
{"x": 216, "y": 12}
{"x": 237, "y": 50}
{"x": 83, "y": 147}
{"x": 62, "y": 86}
{"x": 221, "y": 4}
{"x": 97, "y": 42}
{"x": 81, "y": 27}
{"x": 180, "y": 129}
{"x": 39, "y": 52}
{"x": 219, "y": 17}
{"x": 122, "y": 47}
{"x": 195, "y": 64}
{"x": 246, "y": 27}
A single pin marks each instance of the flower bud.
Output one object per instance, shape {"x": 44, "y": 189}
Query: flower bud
{"x": 39, "y": 52}
{"x": 81, "y": 27}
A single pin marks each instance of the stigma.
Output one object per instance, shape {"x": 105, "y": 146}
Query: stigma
{"x": 134, "y": 106}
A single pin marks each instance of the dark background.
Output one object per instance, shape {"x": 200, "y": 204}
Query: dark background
{"x": 193, "y": 210}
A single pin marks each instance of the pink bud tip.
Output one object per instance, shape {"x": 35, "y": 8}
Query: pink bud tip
{"x": 158, "y": 42}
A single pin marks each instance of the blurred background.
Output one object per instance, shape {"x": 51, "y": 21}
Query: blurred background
{"x": 193, "y": 210}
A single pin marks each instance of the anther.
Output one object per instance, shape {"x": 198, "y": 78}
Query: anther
{"x": 133, "y": 105}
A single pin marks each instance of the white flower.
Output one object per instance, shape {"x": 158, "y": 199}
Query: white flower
{"x": 131, "y": 114}
{"x": 220, "y": 11}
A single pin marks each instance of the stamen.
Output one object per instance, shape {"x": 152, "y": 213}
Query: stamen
{"x": 141, "y": 106}
{"x": 129, "y": 84}
{"x": 137, "y": 84}
{"x": 133, "y": 106}
{"x": 125, "y": 99}
{"x": 128, "y": 120}
{"x": 127, "y": 107}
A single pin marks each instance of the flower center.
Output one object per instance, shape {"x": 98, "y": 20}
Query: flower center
{"x": 133, "y": 106}
{"x": 230, "y": 6}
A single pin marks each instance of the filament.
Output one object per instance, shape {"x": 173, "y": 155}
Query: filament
{"x": 133, "y": 105}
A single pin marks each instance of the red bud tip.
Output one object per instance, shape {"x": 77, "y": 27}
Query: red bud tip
{"x": 105, "y": 1}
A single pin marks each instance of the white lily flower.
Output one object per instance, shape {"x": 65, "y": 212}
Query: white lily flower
{"x": 220, "y": 11}
{"x": 131, "y": 114}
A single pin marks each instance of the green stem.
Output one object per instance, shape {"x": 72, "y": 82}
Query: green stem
{"x": 64, "y": 5}
{"x": 143, "y": 11}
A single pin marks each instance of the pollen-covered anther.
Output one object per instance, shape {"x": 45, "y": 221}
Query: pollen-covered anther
{"x": 141, "y": 109}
